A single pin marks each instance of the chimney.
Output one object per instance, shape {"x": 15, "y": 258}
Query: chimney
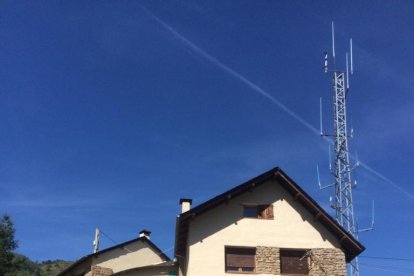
{"x": 185, "y": 204}
{"x": 145, "y": 233}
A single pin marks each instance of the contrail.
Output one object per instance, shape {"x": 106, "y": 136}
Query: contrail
{"x": 260, "y": 91}
{"x": 230, "y": 71}
{"x": 386, "y": 179}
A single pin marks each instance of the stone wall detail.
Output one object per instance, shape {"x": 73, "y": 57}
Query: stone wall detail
{"x": 268, "y": 260}
{"x": 99, "y": 271}
{"x": 323, "y": 261}
{"x": 327, "y": 261}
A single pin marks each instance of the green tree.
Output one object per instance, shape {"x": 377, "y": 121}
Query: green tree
{"x": 7, "y": 243}
{"x": 23, "y": 266}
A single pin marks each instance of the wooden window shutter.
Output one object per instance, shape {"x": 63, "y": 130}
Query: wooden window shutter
{"x": 265, "y": 211}
{"x": 269, "y": 212}
{"x": 241, "y": 258}
{"x": 294, "y": 262}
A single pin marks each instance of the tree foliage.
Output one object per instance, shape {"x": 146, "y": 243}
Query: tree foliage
{"x": 23, "y": 266}
{"x": 7, "y": 243}
{"x": 13, "y": 264}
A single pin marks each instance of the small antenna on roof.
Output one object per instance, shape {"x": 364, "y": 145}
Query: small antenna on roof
{"x": 96, "y": 241}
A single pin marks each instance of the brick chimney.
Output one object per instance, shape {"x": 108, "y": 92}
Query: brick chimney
{"x": 185, "y": 204}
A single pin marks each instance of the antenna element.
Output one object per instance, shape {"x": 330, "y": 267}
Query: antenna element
{"x": 352, "y": 66}
{"x": 333, "y": 41}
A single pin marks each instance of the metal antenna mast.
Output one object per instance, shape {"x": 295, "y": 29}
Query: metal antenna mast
{"x": 96, "y": 240}
{"x": 341, "y": 170}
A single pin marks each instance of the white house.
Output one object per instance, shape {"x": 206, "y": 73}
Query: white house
{"x": 266, "y": 226}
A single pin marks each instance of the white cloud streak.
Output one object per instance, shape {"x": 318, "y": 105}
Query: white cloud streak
{"x": 196, "y": 49}
{"x": 230, "y": 71}
{"x": 387, "y": 180}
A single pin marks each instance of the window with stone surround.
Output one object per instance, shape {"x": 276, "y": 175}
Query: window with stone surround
{"x": 240, "y": 259}
{"x": 294, "y": 262}
{"x": 259, "y": 211}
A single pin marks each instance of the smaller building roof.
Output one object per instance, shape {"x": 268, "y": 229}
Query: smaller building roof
{"x": 89, "y": 257}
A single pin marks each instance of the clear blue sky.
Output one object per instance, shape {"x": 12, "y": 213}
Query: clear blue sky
{"x": 109, "y": 115}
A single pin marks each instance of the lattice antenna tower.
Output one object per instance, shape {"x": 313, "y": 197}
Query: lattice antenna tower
{"x": 341, "y": 170}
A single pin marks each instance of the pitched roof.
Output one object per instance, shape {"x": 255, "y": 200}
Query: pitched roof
{"x": 350, "y": 245}
{"x": 89, "y": 257}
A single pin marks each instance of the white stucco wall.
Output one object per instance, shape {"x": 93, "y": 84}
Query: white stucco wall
{"x": 133, "y": 255}
{"x": 292, "y": 227}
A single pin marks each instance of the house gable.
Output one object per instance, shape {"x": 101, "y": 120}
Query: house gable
{"x": 292, "y": 226}
{"x": 299, "y": 222}
{"x": 135, "y": 254}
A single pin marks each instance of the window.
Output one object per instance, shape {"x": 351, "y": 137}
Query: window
{"x": 240, "y": 259}
{"x": 294, "y": 262}
{"x": 263, "y": 211}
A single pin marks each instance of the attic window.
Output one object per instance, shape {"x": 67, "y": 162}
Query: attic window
{"x": 240, "y": 259}
{"x": 294, "y": 262}
{"x": 262, "y": 211}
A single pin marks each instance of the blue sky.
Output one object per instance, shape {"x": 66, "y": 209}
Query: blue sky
{"x": 111, "y": 111}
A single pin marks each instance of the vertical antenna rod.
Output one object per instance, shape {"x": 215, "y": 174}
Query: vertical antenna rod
{"x": 333, "y": 41}
{"x": 347, "y": 72}
{"x": 320, "y": 115}
{"x": 352, "y": 66}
